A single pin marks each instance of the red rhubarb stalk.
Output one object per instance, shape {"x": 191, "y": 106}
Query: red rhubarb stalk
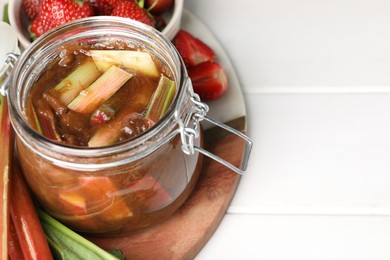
{"x": 25, "y": 219}
{"x": 45, "y": 120}
{"x": 6, "y": 144}
{"x": 14, "y": 249}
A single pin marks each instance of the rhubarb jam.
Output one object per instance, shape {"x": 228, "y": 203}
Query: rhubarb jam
{"x": 99, "y": 95}
{"x": 99, "y": 118}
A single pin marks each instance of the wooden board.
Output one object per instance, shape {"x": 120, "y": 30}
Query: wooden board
{"x": 184, "y": 234}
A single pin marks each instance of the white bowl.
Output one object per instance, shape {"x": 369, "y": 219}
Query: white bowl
{"x": 19, "y": 21}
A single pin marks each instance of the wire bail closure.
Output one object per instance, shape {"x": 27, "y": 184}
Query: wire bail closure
{"x": 190, "y": 133}
{"x": 5, "y": 72}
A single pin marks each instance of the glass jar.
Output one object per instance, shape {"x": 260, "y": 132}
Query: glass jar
{"x": 120, "y": 188}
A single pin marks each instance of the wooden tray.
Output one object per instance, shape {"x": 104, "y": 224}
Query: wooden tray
{"x": 184, "y": 234}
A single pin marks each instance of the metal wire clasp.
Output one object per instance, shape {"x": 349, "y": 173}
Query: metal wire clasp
{"x": 189, "y": 133}
{"x": 5, "y": 72}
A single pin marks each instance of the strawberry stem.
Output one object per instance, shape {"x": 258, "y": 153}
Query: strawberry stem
{"x": 152, "y": 6}
{"x": 141, "y": 3}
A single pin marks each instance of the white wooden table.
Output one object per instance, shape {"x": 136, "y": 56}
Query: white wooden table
{"x": 316, "y": 79}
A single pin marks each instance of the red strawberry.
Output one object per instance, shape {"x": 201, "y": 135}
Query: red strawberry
{"x": 102, "y": 7}
{"x": 208, "y": 80}
{"x": 160, "y": 22}
{"x": 32, "y": 7}
{"x": 35, "y": 28}
{"x": 105, "y": 7}
{"x": 114, "y": 3}
{"x": 130, "y": 9}
{"x": 57, "y": 12}
{"x": 158, "y": 6}
{"x": 191, "y": 49}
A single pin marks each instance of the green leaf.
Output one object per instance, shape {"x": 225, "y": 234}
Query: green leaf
{"x": 117, "y": 253}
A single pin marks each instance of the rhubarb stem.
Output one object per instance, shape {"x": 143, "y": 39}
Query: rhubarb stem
{"x": 83, "y": 76}
{"x": 68, "y": 242}
{"x": 6, "y": 144}
{"x": 102, "y": 89}
{"x": 46, "y": 118}
{"x": 162, "y": 99}
{"x": 138, "y": 61}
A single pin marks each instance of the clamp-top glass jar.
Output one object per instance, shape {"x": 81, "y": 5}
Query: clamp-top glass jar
{"x": 124, "y": 186}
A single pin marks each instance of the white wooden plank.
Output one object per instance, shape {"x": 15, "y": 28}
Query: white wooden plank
{"x": 299, "y": 237}
{"x": 303, "y": 42}
{"x": 317, "y": 154}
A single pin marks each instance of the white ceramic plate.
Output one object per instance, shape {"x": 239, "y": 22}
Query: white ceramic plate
{"x": 232, "y": 105}
{"x": 20, "y": 22}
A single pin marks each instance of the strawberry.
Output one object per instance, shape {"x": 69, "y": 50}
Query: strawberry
{"x": 158, "y": 6}
{"x": 132, "y": 10}
{"x": 160, "y": 22}
{"x": 114, "y": 3}
{"x": 32, "y": 7}
{"x": 191, "y": 49}
{"x": 35, "y": 28}
{"x": 105, "y": 7}
{"x": 208, "y": 80}
{"x": 57, "y": 12}
{"x": 102, "y": 7}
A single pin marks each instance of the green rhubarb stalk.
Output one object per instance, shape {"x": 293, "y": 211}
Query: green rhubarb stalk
{"x": 133, "y": 60}
{"x": 159, "y": 102}
{"x": 83, "y": 76}
{"x": 107, "y": 134}
{"x": 5, "y": 13}
{"x": 6, "y": 144}
{"x": 67, "y": 244}
{"x": 102, "y": 89}
{"x": 161, "y": 99}
{"x": 106, "y": 111}
{"x": 36, "y": 124}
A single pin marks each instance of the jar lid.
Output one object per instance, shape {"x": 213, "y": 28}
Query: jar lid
{"x": 8, "y": 48}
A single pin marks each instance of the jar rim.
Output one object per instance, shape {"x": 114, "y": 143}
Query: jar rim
{"x": 142, "y": 142}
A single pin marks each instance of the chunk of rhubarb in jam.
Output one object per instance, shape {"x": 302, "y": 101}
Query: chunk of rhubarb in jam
{"x": 103, "y": 200}
{"x": 73, "y": 202}
{"x": 150, "y": 192}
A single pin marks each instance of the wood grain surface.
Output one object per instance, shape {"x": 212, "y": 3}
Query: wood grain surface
{"x": 185, "y": 233}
